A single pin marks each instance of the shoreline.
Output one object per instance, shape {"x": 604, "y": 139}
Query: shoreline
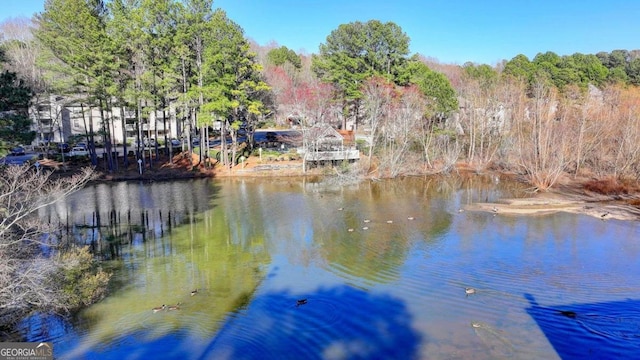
{"x": 568, "y": 196}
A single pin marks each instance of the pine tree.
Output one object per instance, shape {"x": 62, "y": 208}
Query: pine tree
{"x": 232, "y": 79}
{"x": 15, "y": 97}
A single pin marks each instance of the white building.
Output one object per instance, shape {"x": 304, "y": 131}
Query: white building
{"x": 58, "y": 119}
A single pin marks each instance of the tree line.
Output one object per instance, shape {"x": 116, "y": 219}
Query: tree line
{"x": 151, "y": 56}
{"x": 562, "y": 115}
{"x": 540, "y": 118}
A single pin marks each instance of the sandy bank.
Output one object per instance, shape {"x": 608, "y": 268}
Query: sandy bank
{"x": 550, "y": 203}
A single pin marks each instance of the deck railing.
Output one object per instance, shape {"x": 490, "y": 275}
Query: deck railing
{"x": 345, "y": 154}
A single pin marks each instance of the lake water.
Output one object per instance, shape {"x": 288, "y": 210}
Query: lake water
{"x": 279, "y": 274}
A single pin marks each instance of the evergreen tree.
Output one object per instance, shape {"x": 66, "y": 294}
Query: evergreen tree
{"x": 15, "y": 97}
{"x": 232, "y": 80}
{"x": 435, "y": 86}
{"x": 192, "y": 31}
{"x": 357, "y": 51}
{"x": 521, "y": 68}
{"x": 74, "y": 31}
{"x": 282, "y": 55}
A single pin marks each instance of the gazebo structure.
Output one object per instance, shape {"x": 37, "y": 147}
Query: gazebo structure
{"x": 323, "y": 144}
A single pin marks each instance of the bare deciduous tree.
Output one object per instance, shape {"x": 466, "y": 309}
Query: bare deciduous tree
{"x": 542, "y": 142}
{"x": 378, "y": 100}
{"x": 29, "y": 273}
{"x": 397, "y": 131}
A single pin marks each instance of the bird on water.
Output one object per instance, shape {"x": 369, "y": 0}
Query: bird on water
{"x": 469, "y": 291}
{"x": 569, "y": 314}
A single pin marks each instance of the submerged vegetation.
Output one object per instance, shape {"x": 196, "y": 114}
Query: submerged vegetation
{"x": 83, "y": 281}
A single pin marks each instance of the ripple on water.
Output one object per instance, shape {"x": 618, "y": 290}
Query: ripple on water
{"x": 496, "y": 341}
{"x": 123, "y": 330}
{"x": 135, "y": 321}
{"x": 274, "y": 325}
{"x": 611, "y": 327}
{"x": 364, "y": 273}
{"x": 615, "y": 321}
{"x": 316, "y": 313}
{"x": 41, "y": 327}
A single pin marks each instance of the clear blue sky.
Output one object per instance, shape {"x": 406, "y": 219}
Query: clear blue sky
{"x": 452, "y": 31}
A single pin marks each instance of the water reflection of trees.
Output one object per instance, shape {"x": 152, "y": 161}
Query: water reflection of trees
{"x": 374, "y": 251}
{"x": 109, "y": 216}
{"x": 337, "y": 322}
{"x": 205, "y": 252}
{"x": 220, "y": 240}
{"x": 376, "y": 254}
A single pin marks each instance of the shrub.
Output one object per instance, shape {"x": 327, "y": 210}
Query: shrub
{"x": 29, "y": 278}
{"x": 362, "y": 145}
{"x": 634, "y": 202}
{"x": 83, "y": 282}
{"x": 609, "y": 186}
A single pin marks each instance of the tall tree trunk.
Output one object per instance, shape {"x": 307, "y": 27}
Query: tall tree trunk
{"x": 140, "y": 147}
{"x": 92, "y": 140}
{"x": 105, "y": 136}
{"x": 123, "y": 113}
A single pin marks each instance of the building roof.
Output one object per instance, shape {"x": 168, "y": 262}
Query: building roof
{"x": 323, "y": 133}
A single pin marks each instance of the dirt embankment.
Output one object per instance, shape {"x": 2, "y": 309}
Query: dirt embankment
{"x": 181, "y": 166}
